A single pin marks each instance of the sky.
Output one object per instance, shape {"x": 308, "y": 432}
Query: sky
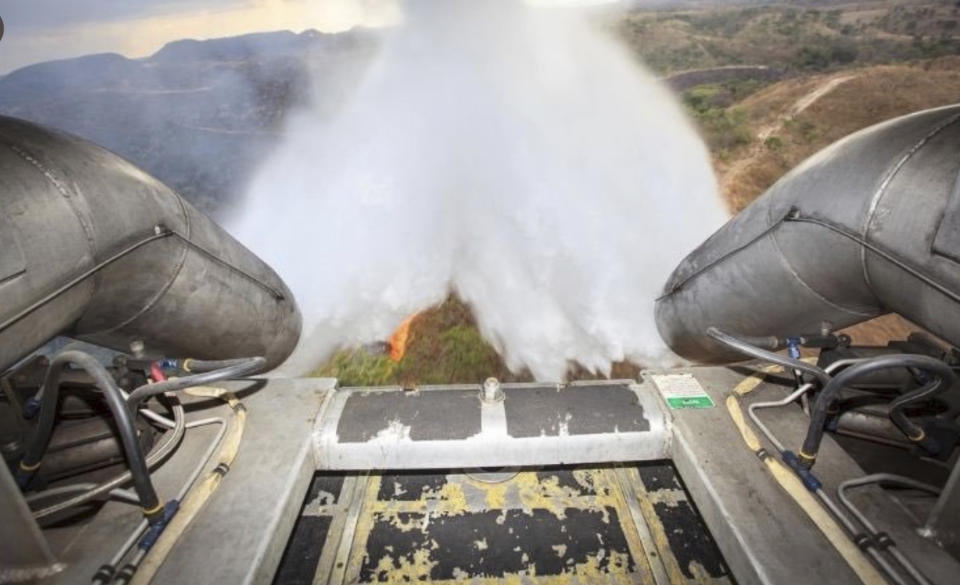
{"x": 42, "y": 30}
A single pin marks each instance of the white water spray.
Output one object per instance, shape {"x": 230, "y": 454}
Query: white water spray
{"x": 516, "y": 155}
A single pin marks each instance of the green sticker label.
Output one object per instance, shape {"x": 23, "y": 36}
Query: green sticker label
{"x": 682, "y": 391}
{"x": 695, "y": 402}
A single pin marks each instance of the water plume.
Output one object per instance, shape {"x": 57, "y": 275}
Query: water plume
{"x": 514, "y": 154}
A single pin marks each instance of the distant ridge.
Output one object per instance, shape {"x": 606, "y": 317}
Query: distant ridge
{"x": 197, "y": 114}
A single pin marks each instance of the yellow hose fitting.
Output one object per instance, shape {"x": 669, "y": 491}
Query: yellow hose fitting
{"x": 920, "y": 437}
{"x": 154, "y": 510}
{"x": 793, "y": 486}
{"x": 186, "y": 364}
{"x": 33, "y": 467}
{"x": 804, "y": 455}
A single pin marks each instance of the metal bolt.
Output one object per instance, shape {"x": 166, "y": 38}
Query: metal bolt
{"x": 136, "y": 348}
{"x": 491, "y": 392}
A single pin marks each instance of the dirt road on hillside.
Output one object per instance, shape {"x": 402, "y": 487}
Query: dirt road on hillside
{"x": 764, "y": 132}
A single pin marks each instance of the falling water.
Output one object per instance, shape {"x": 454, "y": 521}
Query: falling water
{"x": 515, "y": 154}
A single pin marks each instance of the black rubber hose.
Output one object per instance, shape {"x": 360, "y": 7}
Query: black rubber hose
{"x": 770, "y": 343}
{"x": 118, "y": 407}
{"x": 238, "y": 368}
{"x": 818, "y": 416}
{"x": 198, "y": 366}
{"x": 762, "y": 354}
{"x": 912, "y": 430}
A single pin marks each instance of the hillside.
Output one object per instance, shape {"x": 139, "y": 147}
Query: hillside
{"x": 793, "y": 119}
{"x": 199, "y": 115}
{"x": 792, "y": 36}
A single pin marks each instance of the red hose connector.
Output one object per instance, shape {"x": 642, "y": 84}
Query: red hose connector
{"x": 156, "y": 373}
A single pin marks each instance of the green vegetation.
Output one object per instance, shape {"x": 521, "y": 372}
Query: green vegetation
{"x": 793, "y": 39}
{"x": 358, "y": 367}
{"x": 444, "y": 347}
{"x": 802, "y": 131}
{"x": 820, "y": 57}
{"x": 724, "y": 129}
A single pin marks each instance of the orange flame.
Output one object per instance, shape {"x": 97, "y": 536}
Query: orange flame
{"x": 398, "y": 341}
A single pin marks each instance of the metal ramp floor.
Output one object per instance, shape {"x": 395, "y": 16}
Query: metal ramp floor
{"x": 623, "y": 524}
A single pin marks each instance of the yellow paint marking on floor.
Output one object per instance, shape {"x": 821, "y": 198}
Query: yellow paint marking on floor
{"x": 417, "y": 569}
{"x": 657, "y": 531}
{"x": 525, "y": 492}
{"x": 608, "y": 478}
{"x": 364, "y": 526}
{"x": 700, "y": 574}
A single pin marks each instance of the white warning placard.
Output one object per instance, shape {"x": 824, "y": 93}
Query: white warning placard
{"x": 682, "y": 391}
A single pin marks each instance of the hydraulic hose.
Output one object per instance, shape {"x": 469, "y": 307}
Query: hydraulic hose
{"x": 195, "y": 366}
{"x": 152, "y": 508}
{"x": 769, "y": 342}
{"x": 106, "y": 572}
{"x": 158, "y": 454}
{"x": 791, "y": 484}
{"x": 171, "y": 440}
{"x": 818, "y": 416}
{"x": 912, "y": 430}
{"x": 802, "y": 486}
{"x": 800, "y": 392}
{"x": 762, "y": 354}
{"x": 198, "y": 496}
{"x": 117, "y": 494}
{"x": 881, "y": 537}
{"x": 235, "y": 369}
{"x": 37, "y": 398}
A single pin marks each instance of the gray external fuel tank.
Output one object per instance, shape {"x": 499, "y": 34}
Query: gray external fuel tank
{"x": 869, "y": 225}
{"x": 95, "y": 248}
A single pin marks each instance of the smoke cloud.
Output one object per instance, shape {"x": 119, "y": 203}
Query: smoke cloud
{"x": 514, "y": 154}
